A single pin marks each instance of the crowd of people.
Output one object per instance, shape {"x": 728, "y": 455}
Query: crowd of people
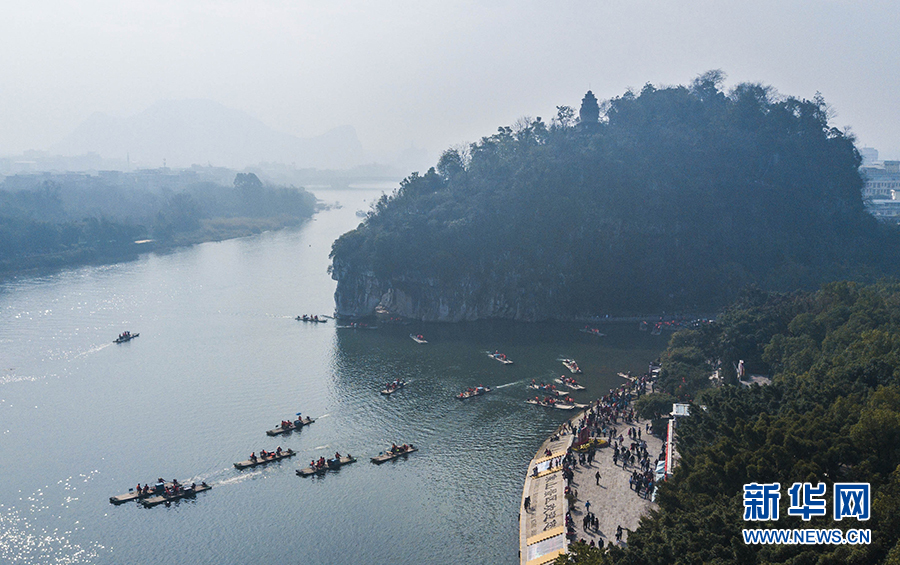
{"x": 610, "y": 418}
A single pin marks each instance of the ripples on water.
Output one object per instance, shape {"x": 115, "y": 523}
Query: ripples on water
{"x": 220, "y": 359}
{"x": 39, "y": 528}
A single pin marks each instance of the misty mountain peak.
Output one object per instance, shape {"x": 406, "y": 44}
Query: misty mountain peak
{"x": 187, "y": 131}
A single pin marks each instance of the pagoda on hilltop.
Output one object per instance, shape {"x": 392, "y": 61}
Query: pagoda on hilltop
{"x": 589, "y": 114}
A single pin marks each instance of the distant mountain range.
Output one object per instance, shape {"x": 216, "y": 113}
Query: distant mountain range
{"x": 186, "y": 132}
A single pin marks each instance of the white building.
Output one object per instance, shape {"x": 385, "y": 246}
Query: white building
{"x": 881, "y": 192}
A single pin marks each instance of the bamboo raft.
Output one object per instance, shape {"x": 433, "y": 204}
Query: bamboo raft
{"x": 571, "y": 384}
{"x": 547, "y": 390}
{"x": 125, "y": 338}
{"x": 477, "y": 391}
{"x": 187, "y": 492}
{"x": 388, "y": 456}
{"x": 500, "y": 357}
{"x": 132, "y": 494}
{"x": 295, "y": 425}
{"x": 265, "y": 460}
{"x": 330, "y": 465}
{"x": 393, "y": 388}
{"x": 557, "y": 405}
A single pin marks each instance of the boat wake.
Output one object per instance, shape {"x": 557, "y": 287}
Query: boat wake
{"x": 320, "y": 447}
{"x": 510, "y": 384}
{"x": 240, "y": 478}
{"x": 11, "y": 377}
{"x": 323, "y": 416}
{"x": 94, "y": 350}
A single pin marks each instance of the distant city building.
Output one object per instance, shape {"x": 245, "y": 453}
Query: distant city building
{"x": 869, "y": 155}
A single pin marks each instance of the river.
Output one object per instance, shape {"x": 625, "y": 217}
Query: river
{"x": 219, "y": 360}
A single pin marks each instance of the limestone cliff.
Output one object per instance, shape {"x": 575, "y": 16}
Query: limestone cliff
{"x": 360, "y": 294}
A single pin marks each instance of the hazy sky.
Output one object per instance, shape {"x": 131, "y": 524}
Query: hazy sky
{"x": 433, "y": 74}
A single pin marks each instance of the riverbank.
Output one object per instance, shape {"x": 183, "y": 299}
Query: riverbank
{"x": 542, "y": 511}
{"x": 210, "y": 230}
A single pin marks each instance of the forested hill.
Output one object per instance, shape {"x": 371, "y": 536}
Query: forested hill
{"x": 670, "y": 199}
{"x": 831, "y": 415}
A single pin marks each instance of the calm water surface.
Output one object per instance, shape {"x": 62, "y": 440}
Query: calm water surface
{"x": 220, "y": 359}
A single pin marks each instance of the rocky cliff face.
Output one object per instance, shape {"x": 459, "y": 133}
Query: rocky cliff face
{"x": 359, "y": 294}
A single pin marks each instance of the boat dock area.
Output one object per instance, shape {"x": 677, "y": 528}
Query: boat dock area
{"x": 542, "y": 524}
{"x": 613, "y": 500}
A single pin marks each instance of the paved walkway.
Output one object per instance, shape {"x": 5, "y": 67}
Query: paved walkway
{"x": 612, "y": 501}
{"x": 542, "y": 523}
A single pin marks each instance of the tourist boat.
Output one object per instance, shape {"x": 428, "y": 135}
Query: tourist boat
{"x": 392, "y": 454}
{"x": 572, "y": 366}
{"x": 417, "y": 338}
{"x": 500, "y": 357}
{"x": 185, "y": 492}
{"x": 127, "y": 336}
{"x": 477, "y": 391}
{"x": 356, "y": 326}
{"x": 571, "y": 383}
{"x": 294, "y": 425}
{"x": 265, "y": 459}
{"x": 332, "y": 464}
{"x": 310, "y": 319}
{"x": 393, "y": 387}
{"x": 592, "y": 331}
{"x": 657, "y": 329}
